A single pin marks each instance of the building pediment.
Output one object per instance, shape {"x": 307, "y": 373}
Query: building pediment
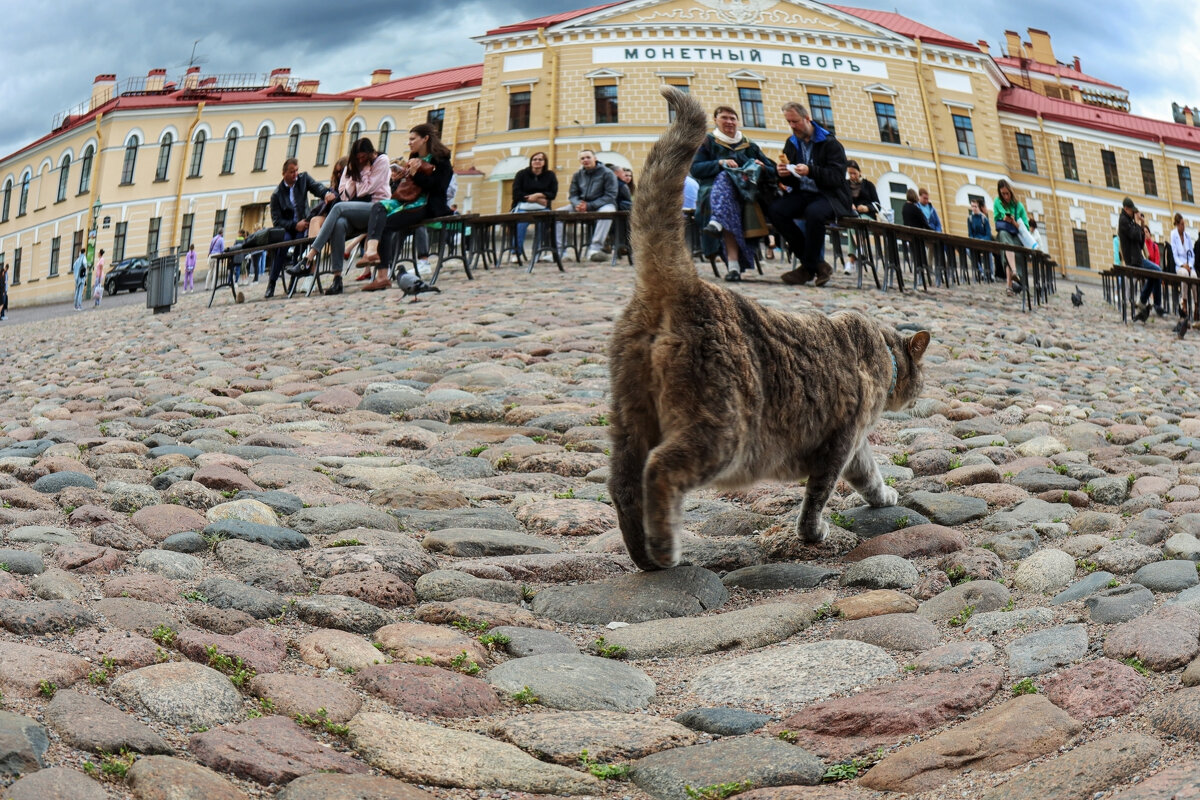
{"x": 795, "y": 15}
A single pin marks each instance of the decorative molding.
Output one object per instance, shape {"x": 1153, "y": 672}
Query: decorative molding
{"x": 879, "y": 88}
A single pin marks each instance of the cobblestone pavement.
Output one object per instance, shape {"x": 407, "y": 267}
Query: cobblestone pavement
{"x": 359, "y": 546}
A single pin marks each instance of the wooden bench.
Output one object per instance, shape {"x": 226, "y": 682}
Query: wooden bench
{"x": 223, "y": 264}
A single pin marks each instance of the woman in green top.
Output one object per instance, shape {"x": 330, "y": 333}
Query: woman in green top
{"x": 1006, "y": 211}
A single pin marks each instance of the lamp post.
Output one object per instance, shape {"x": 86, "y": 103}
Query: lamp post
{"x": 91, "y": 242}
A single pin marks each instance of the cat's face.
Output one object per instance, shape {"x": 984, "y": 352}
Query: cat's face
{"x": 910, "y": 378}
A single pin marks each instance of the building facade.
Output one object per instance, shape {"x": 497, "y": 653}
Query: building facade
{"x": 159, "y": 163}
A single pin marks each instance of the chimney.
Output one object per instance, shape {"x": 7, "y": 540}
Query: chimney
{"x": 1188, "y": 119}
{"x": 1077, "y": 67}
{"x": 380, "y": 76}
{"x": 982, "y": 44}
{"x": 155, "y": 79}
{"x": 191, "y": 78}
{"x": 1013, "y": 42}
{"x": 307, "y": 87}
{"x": 103, "y": 89}
{"x": 1039, "y": 47}
{"x": 280, "y": 76}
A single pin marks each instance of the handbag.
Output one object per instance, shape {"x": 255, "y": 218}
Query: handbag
{"x": 745, "y": 180}
{"x": 407, "y": 190}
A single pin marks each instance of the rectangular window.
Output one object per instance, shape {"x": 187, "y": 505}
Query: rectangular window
{"x": 1185, "y": 184}
{"x": 219, "y": 222}
{"x": 1082, "y": 259}
{"x": 1111, "y": 179}
{"x": 152, "y": 236}
{"x": 1149, "y": 182}
{"x": 55, "y": 248}
{"x": 606, "y": 104}
{"x": 119, "y": 242}
{"x": 889, "y": 126}
{"x": 518, "y": 110}
{"x": 1070, "y": 168}
{"x": 16, "y": 270}
{"x": 436, "y": 118}
{"x": 1026, "y": 154}
{"x": 753, "y": 115}
{"x": 683, "y": 87}
{"x": 185, "y": 233}
{"x": 965, "y": 135}
{"x": 821, "y": 110}
{"x": 76, "y": 245}
{"x": 896, "y": 194}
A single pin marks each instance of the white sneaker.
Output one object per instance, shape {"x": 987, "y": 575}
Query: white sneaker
{"x": 597, "y": 255}
{"x": 424, "y": 267}
{"x": 848, "y": 270}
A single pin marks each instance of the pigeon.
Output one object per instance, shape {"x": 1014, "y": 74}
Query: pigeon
{"x": 412, "y": 286}
{"x": 1077, "y": 298}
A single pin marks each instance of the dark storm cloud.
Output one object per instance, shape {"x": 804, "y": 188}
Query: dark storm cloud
{"x": 341, "y": 43}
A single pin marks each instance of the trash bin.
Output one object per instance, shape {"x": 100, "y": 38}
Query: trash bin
{"x": 161, "y": 284}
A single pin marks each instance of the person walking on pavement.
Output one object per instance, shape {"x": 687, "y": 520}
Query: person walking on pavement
{"x": 98, "y": 282}
{"x": 80, "y": 269}
{"x": 189, "y": 269}
{"x": 3, "y": 292}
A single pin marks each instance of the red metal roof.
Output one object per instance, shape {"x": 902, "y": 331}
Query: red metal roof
{"x": 906, "y": 27}
{"x": 1023, "y": 101}
{"x": 547, "y": 21}
{"x": 210, "y": 96}
{"x": 415, "y": 86}
{"x": 1061, "y": 70}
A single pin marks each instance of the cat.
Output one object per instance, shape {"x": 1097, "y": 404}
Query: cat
{"x": 709, "y": 388}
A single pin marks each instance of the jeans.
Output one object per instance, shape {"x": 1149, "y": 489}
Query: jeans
{"x": 1152, "y": 287}
{"x": 815, "y": 210}
{"x": 598, "y": 236}
{"x": 347, "y": 216}
{"x": 80, "y": 285}
{"x": 522, "y": 227}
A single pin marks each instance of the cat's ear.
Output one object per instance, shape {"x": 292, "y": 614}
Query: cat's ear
{"x": 917, "y": 345}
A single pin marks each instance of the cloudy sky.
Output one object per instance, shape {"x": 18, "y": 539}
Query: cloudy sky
{"x": 49, "y": 52}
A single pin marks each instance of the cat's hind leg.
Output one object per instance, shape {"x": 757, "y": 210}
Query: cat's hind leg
{"x": 625, "y": 468}
{"x": 683, "y": 462}
{"x": 863, "y": 474}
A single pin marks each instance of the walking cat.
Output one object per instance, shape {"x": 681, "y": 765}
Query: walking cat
{"x": 710, "y": 388}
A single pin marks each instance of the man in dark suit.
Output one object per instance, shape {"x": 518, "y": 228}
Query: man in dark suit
{"x": 289, "y": 204}
{"x": 815, "y": 173}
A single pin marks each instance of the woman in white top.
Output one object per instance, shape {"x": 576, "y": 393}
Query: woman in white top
{"x": 1185, "y": 264}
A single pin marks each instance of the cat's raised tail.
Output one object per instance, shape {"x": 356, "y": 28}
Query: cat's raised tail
{"x": 661, "y": 252}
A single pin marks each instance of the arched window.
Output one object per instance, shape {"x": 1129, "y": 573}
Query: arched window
{"x": 85, "y": 170}
{"x": 131, "y": 149}
{"x": 355, "y": 133}
{"x": 197, "y": 153}
{"x": 323, "y": 145}
{"x": 64, "y": 174}
{"x": 293, "y": 141}
{"x": 230, "y": 149}
{"x": 385, "y": 132}
{"x": 164, "y": 157}
{"x": 8, "y": 184}
{"x": 260, "y": 150}
{"x": 23, "y": 200}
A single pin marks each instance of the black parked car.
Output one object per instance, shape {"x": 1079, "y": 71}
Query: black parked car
{"x": 128, "y": 274}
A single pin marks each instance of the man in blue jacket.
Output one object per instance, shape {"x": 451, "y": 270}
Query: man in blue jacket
{"x": 289, "y": 210}
{"x": 814, "y": 179}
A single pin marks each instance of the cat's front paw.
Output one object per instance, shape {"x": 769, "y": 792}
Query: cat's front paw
{"x": 663, "y": 557}
{"x": 813, "y": 534}
{"x": 886, "y": 496}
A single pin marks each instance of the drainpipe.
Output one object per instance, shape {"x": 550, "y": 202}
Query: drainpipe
{"x": 1167, "y": 174}
{"x": 552, "y": 132}
{"x": 341, "y": 149}
{"x": 187, "y": 143}
{"x": 1054, "y": 193}
{"x": 937, "y": 161}
{"x": 93, "y": 190}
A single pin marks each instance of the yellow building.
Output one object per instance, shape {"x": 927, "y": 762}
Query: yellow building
{"x": 165, "y": 162}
